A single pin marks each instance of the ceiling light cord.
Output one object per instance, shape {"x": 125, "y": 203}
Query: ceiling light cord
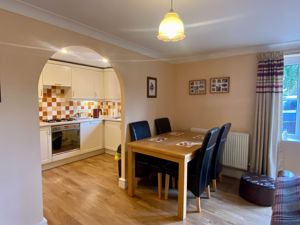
{"x": 172, "y": 10}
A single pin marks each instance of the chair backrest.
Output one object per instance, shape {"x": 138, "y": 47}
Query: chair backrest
{"x": 216, "y": 165}
{"x": 162, "y": 125}
{"x": 203, "y": 160}
{"x": 139, "y": 130}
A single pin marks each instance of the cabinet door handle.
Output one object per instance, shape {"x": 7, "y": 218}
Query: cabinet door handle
{"x": 42, "y": 92}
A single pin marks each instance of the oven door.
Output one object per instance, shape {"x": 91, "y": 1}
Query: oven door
{"x": 65, "y": 138}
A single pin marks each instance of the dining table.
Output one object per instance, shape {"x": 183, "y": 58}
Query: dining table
{"x": 176, "y": 146}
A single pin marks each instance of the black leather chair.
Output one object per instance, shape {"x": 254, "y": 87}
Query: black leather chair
{"x": 162, "y": 125}
{"x": 216, "y": 166}
{"x": 198, "y": 168}
{"x": 146, "y": 164}
{"x": 140, "y": 130}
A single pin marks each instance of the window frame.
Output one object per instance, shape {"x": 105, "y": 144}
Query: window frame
{"x": 294, "y": 60}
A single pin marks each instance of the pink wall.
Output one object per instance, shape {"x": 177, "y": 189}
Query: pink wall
{"x": 206, "y": 111}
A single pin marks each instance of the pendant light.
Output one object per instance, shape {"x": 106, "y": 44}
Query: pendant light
{"x": 171, "y": 28}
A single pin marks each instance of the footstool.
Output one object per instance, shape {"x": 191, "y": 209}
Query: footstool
{"x": 259, "y": 189}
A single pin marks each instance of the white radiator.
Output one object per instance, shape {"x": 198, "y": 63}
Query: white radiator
{"x": 236, "y": 149}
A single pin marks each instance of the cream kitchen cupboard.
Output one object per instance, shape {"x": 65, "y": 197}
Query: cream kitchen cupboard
{"x": 91, "y": 136}
{"x": 87, "y": 83}
{"x": 45, "y": 144}
{"x": 112, "y": 131}
{"x": 57, "y": 74}
{"x": 111, "y": 85}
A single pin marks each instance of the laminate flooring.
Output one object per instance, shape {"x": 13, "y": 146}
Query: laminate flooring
{"x": 86, "y": 192}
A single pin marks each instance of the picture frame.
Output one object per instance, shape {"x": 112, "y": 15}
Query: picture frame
{"x": 151, "y": 87}
{"x": 219, "y": 85}
{"x": 197, "y": 87}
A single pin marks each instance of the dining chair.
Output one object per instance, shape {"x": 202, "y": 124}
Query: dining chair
{"x": 162, "y": 125}
{"x": 144, "y": 164}
{"x": 216, "y": 162}
{"x": 140, "y": 130}
{"x": 198, "y": 168}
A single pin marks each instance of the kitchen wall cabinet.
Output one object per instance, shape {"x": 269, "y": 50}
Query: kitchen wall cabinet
{"x": 45, "y": 144}
{"x": 91, "y": 136}
{"x": 112, "y": 134}
{"x": 87, "y": 84}
{"x": 111, "y": 85}
{"x": 57, "y": 74}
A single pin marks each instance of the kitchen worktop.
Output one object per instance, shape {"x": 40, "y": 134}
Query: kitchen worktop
{"x": 82, "y": 120}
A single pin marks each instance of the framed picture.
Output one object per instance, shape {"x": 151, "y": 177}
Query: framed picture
{"x": 219, "y": 85}
{"x": 197, "y": 87}
{"x": 151, "y": 87}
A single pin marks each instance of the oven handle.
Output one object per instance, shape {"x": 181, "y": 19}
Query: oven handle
{"x": 75, "y": 127}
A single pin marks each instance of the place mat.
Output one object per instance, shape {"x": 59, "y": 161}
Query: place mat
{"x": 188, "y": 144}
{"x": 200, "y": 136}
{"x": 176, "y": 133}
{"x": 158, "y": 139}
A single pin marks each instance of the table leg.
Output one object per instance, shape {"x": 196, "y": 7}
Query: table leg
{"x": 182, "y": 189}
{"x": 131, "y": 172}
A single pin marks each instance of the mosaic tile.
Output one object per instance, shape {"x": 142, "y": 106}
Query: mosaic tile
{"x": 55, "y": 105}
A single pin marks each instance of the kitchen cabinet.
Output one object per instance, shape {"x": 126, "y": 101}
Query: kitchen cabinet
{"x": 87, "y": 83}
{"x": 57, "y": 75}
{"x": 91, "y": 136}
{"x": 40, "y": 87}
{"x": 111, "y": 85}
{"x": 45, "y": 144}
{"x": 112, "y": 135}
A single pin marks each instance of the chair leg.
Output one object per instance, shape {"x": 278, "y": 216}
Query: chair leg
{"x": 173, "y": 182}
{"x": 208, "y": 191}
{"x": 159, "y": 184}
{"x": 198, "y": 204}
{"x": 214, "y": 185}
{"x": 167, "y": 183}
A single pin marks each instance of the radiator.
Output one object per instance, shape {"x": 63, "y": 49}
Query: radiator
{"x": 236, "y": 149}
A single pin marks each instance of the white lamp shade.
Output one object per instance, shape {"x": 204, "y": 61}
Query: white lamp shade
{"x": 171, "y": 28}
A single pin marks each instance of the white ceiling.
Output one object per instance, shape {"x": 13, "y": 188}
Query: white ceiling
{"x": 211, "y": 25}
{"x": 82, "y": 55}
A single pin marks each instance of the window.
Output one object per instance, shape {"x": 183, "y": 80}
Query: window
{"x": 291, "y": 99}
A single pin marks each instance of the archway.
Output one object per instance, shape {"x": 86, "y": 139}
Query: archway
{"x": 79, "y": 57}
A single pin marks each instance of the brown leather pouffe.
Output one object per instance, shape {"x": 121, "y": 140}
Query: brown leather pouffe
{"x": 259, "y": 189}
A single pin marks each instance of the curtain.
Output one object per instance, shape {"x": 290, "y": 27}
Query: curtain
{"x": 268, "y": 113}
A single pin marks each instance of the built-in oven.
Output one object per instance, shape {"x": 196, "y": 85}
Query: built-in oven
{"x": 65, "y": 138}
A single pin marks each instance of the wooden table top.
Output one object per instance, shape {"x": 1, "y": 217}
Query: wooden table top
{"x": 168, "y": 146}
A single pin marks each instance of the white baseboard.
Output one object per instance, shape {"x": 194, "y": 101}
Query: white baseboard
{"x": 110, "y": 152}
{"x": 71, "y": 159}
{"x": 122, "y": 183}
{"x": 43, "y": 222}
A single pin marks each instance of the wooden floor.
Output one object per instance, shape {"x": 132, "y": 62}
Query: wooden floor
{"x": 86, "y": 193}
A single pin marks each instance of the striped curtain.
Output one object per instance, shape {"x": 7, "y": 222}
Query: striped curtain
{"x": 268, "y": 113}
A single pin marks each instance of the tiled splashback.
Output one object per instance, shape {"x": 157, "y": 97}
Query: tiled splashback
{"x": 54, "y": 105}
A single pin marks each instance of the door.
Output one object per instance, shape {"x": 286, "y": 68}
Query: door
{"x": 87, "y": 84}
{"x": 57, "y": 75}
{"x": 91, "y": 136}
{"x": 112, "y": 135}
{"x": 111, "y": 85}
{"x": 45, "y": 144}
